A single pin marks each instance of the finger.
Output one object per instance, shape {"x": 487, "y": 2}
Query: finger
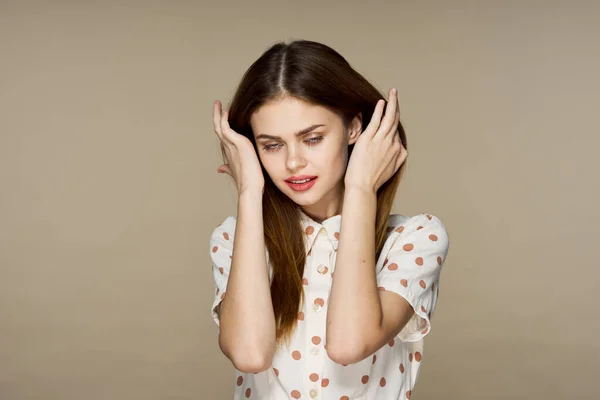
{"x": 217, "y": 118}
{"x": 224, "y": 169}
{"x": 394, "y": 128}
{"x": 390, "y": 114}
{"x": 401, "y": 158}
{"x": 375, "y": 118}
{"x": 226, "y": 130}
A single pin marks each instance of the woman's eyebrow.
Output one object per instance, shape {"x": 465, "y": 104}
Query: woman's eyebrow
{"x": 299, "y": 133}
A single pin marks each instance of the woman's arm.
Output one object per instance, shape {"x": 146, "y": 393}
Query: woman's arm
{"x": 360, "y": 318}
{"x": 247, "y": 321}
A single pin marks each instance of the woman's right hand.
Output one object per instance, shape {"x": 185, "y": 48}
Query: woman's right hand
{"x": 243, "y": 164}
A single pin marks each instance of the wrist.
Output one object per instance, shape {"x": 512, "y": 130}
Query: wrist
{"x": 253, "y": 194}
{"x": 362, "y": 189}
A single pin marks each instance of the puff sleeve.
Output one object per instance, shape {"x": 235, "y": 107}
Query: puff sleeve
{"x": 221, "y": 250}
{"x": 415, "y": 252}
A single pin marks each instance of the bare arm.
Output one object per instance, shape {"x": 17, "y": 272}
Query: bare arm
{"x": 358, "y": 325}
{"x": 247, "y": 322}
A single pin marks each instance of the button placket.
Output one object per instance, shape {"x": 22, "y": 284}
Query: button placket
{"x": 318, "y": 295}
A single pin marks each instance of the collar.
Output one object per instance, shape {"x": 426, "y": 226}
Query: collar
{"x": 331, "y": 227}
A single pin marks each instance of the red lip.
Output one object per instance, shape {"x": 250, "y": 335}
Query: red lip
{"x": 299, "y": 178}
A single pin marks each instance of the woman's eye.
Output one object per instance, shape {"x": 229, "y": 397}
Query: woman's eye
{"x": 270, "y": 147}
{"x": 314, "y": 140}
{"x": 310, "y": 142}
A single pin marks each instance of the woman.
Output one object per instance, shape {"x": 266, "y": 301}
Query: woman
{"x": 309, "y": 307}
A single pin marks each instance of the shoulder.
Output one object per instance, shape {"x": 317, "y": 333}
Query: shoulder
{"x": 417, "y": 227}
{"x": 225, "y": 230}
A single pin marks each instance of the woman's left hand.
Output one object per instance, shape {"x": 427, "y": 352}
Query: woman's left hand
{"x": 378, "y": 152}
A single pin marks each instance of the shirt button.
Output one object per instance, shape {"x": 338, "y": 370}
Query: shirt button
{"x": 316, "y": 307}
{"x": 321, "y": 269}
{"x": 313, "y": 393}
{"x": 322, "y": 233}
{"x": 315, "y": 351}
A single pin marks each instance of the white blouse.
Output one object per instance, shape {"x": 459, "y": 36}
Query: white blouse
{"x": 409, "y": 265}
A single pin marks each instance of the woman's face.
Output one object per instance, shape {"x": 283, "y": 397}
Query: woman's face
{"x": 297, "y": 141}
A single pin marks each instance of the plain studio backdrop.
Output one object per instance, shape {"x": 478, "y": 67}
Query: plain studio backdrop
{"x": 109, "y": 191}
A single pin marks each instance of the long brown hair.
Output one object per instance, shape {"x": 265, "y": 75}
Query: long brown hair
{"x": 317, "y": 74}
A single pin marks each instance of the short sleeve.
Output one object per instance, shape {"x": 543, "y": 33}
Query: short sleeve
{"x": 221, "y": 250}
{"x": 415, "y": 252}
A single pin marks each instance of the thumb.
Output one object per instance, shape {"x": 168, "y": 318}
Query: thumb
{"x": 224, "y": 169}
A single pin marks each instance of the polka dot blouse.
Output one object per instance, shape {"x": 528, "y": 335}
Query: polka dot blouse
{"x": 409, "y": 265}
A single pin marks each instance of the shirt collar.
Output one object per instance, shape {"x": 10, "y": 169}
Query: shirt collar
{"x": 331, "y": 227}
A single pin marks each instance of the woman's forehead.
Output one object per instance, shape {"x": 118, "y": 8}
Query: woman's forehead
{"x": 288, "y": 116}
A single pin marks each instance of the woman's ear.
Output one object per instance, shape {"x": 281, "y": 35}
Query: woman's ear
{"x": 355, "y": 129}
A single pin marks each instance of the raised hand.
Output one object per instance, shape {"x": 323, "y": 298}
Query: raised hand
{"x": 243, "y": 164}
{"x": 378, "y": 153}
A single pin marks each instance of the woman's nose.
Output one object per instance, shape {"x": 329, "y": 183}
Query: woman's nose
{"x": 295, "y": 158}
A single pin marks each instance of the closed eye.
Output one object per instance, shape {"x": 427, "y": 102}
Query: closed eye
{"x": 310, "y": 142}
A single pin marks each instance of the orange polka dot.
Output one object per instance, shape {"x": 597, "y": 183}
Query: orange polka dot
{"x": 410, "y": 357}
{"x": 240, "y": 380}
{"x": 221, "y": 270}
{"x": 393, "y": 266}
{"x": 380, "y": 288}
{"x": 230, "y": 257}
{"x": 309, "y": 230}
{"x": 424, "y": 331}
{"x": 304, "y": 281}
{"x": 439, "y": 260}
{"x": 248, "y": 393}
{"x": 419, "y": 228}
{"x": 296, "y": 355}
{"x": 365, "y": 379}
{"x": 400, "y": 229}
{"x": 337, "y": 235}
{"x": 214, "y": 249}
{"x": 344, "y": 398}
{"x": 316, "y": 339}
{"x": 404, "y": 282}
{"x": 295, "y": 394}
{"x": 401, "y": 367}
{"x": 310, "y": 252}
{"x": 314, "y": 377}
{"x": 374, "y": 359}
{"x": 276, "y": 371}
{"x": 428, "y": 217}
{"x": 226, "y": 235}
{"x": 223, "y": 295}
{"x": 419, "y": 261}
{"x": 218, "y": 290}
{"x": 422, "y": 284}
{"x": 382, "y": 382}
{"x": 423, "y": 309}
{"x": 408, "y": 394}
{"x": 408, "y": 247}
{"x": 417, "y": 356}
{"x": 433, "y": 238}
{"x": 325, "y": 382}
{"x": 391, "y": 343}
{"x": 319, "y": 301}
{"x": 301, "y": 316}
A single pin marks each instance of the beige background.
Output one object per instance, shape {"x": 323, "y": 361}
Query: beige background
{"x": 109, "y": 190}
